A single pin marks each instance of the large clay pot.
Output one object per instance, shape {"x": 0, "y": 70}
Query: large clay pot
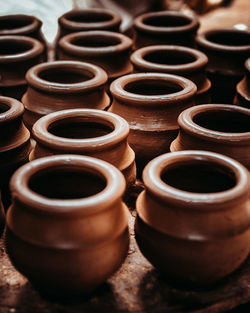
{"x": 165, "y": 27}
{"x": 220, "y": 128}
{"x": 18, "y": 54}
{"x": 151, "y": 103}
{"x": 179, "y": 60}
{"x": 67, "y": 229}
{"x": 107, "y": 49}
{"x": 95, "y": 133}
{"x": 62, "y": 85}
{"x": 2, "y": 215}
{"x": 14, "y": 142}
{"x": 227, "y": 50}
{"x": 243, "y": 87}
{"x": 193, "y": 217}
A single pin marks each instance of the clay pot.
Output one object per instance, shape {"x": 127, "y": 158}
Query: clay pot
{"x": 183, "y": 61}
{"x": 106, "y": 49}
{"x": 67, "y": 229}
{"x": 18, "y": 54}
{"x": 2, "y": 219}
{"x": 95, "y": 133}
{"x": 243, "y": 87}
{"x": 220, "y": 128}
{"x": 227, "y": 50}
{"x": 193, "y": 217}
{"x": 56, "y": 86}
{"x": 165, "y": 27}
{"x": 14, "y": 144}
{"x": 151, "y": 103}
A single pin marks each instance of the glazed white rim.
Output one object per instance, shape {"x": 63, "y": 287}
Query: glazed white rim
{"x": 33, "y": 24}
{"x": 119, "y": 133}
{"x": 115, "y": 185}
{"x": 16, "y": 108}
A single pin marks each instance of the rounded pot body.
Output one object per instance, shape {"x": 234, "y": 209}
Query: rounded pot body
{"x": 219, "y": 128}
{"x": 79, "y": 194}
{"x": 193, "y": 217}
{"x": 14, "y": 142}
{"x": 95, "y": 133}
{"x": 59, "y": 85}
{"x": 243, "y": 87}
{"x": 227, "y": 50}
{"x": 151, "y": 103}
{"x": 2, "y": 217}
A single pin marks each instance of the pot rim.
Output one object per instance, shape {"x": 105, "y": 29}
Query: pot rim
{"x": 247, "y": 65}
{"x": 66, "y": 23}
{"x": 112, "y": 192}
{"x": 15, "y": 110}
{"x": 155, "y": 185}
{"x": 65, "y": 43}
{"x": 119, "y": 133}
{"x": 137, "y": 59}
{"x": 36, "y": 49}
{"x": 117, "y": 89}
{"x": 185, "y": 121}
{"x": 141, "y": 26}
{"x": 32, "y": 77}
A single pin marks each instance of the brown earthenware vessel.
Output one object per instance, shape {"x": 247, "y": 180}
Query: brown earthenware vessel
{"x": 14, "y": 143}
{"x": 67, "y": 229}
{"x": 179, "y": 60}
{"x": 220, "y": 128}
{"x": 2, "y": 217}
{"x": 227, "y": 50}
{"x": 243, "y": 87}
{"x": 95, "y": 133}
{"x": 166, "y": 28}
{"x": 106, "y": 49}
{"x": 17, "y": 55}
{"x": 60, "y": 85}
{"x": 151, "y": 103}
{"x": 193, "y": 217}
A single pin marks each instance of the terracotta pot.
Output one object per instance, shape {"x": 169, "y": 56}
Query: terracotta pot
{"x": 243, "y": 87}
{"x": 107, "y": 49}
{"x": 95, "y": 133}
{"x": 179, "y": 60}
{"x": 193, "y": 217}
{"x": 220, "y": 128}
{"x": 79, "y": 194}
{"x": 18, "y": 54}
{"x": 14, "y": 145}
{"x": 165, "y": 27}
{"x": 56, "y": 86}
{"x": 151, "y": 104}
{"x": 227, "y": 50}
{"x": 2, "y": 215}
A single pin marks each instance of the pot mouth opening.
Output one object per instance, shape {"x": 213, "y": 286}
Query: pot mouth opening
{"x": 13, "y": 22}
{"x": 89, "y": 17}
{"x": 4, "y": 107}
{"x": 169, "y": 57}
{"x": 229, "y": 38}
{"x": 12, "y": 46}
{"x": 166, "y": 21}
{"x": 96, "y": 41}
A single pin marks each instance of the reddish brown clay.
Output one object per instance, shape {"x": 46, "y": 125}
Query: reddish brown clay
{"x": 18, "y": 54}
{"x": 193, "y": 217}
{"x": 14, "y": 142}
{"x": 227, "y": 50}
{"x": 67, "y": 229}
{"x": 243, "y": 87}
{"x": 151, "y": 104}
{"x": 95, "y": 133}
{"x": 179, "y": 60}
{"x": 2, "y": 217}
{"x": 59, "y": 85}
{"x": 107, "y": 49}
{"x": 165, "y": 27}
{"x": 220, "y": 128}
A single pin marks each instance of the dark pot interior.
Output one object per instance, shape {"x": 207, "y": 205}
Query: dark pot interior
{"x": 169, "y": 57}
{"x": 166, "y": 21}
{"x": 89, "y": 17}
{"x": 9, "y": 23}
{"x": 8, "y": 47}
{"x": 96, "y": 41}
{"x": 229, "y": 38}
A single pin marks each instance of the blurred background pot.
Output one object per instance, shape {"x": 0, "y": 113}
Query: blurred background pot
{"x": 2, "y": 217}
{"x": 243, "y": 87}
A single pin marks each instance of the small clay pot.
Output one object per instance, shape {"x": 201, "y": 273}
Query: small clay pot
{"x": 60, "y": 85}
{"x": 14, "y": 143}
{"x": 220, "y": 128}
{"x": 151, "y": 103}
{"x": 95, "y": 133}
{"x": 243, "y": 87}
{"x": 193, "y": 217}
{"x": 179, "y": 60}
{"x": 67, "y": 229}
{"x": 88, "y": 19}
{"x": 18, "y": 54}
{"x": 166, "y": 28}
{"x": 106, "y": 49}
{"x": 227, "y": 50}
{"x": 2, "y": 217}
